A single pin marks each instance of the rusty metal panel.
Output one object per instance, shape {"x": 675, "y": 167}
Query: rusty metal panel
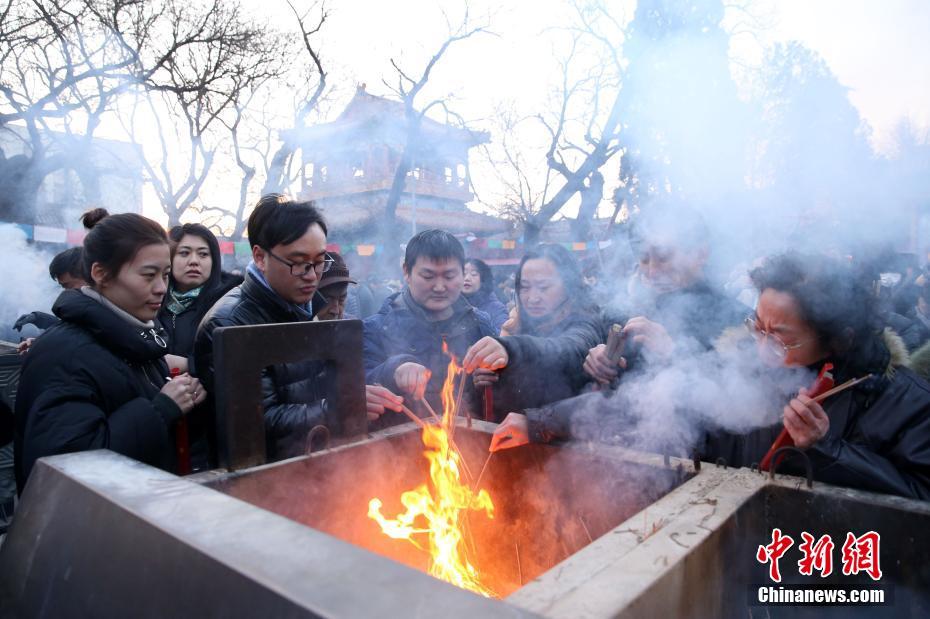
{"x": 101, "y": 535}
{"x": 241, "y": 353}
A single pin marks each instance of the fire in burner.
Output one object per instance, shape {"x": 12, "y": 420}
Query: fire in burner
{"x": 438, "y": 508}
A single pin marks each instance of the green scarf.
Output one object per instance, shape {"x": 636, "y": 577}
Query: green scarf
{"x": 179, "y": 302}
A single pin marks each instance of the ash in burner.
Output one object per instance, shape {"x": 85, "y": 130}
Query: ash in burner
{"x": 548, "y": 502}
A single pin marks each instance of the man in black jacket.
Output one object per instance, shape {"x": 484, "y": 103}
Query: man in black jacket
{"x": 288, "y": 258}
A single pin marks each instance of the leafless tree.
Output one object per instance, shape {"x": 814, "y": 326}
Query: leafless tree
{"x": 407, "y": 88}
{"x": 583, "y": 127}
{"x": 314, "y": 77}
{"x": 198, "y": 96}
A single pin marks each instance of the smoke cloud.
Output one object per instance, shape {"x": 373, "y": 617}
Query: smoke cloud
{"x": 25, "y": 286}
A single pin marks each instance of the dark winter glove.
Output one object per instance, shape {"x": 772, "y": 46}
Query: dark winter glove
{"x": 39, "y": 319}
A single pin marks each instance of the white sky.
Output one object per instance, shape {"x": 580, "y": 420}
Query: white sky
{"x": 879, "y": 49}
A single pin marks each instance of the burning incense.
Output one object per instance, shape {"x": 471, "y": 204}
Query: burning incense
{"x": 784, "y": 438}
{"x": 483, "y": 469}
{"x": 412, "y": 417}
{"x": 852, "y": 382}
{"x": 585, "y": 527}
{"x": 430, "y": 410}
{"x": 519, "y": 567}
{"x": 456, "y": 410}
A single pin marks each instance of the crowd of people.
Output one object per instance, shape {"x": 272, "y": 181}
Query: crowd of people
{"x": 129, "y": 351}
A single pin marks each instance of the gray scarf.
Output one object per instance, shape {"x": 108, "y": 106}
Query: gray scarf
{"x": 132, "y": 320}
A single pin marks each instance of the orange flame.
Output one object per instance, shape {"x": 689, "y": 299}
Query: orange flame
{"x": 442, "y": 503}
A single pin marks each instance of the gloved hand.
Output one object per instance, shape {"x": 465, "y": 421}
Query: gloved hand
{"x": 39, "y": 319}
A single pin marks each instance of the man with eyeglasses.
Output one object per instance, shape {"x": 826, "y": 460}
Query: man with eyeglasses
{"x": 289, "y": 258}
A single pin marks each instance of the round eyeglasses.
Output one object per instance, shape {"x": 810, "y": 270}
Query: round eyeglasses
{"x": 774, "y": 343}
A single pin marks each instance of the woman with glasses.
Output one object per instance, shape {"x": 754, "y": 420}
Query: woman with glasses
{"x": 812, "y": 311}
{"x": 97, "y": 379}
{"x": 538, "y": 358}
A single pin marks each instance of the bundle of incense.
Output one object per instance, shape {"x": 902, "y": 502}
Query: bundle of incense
{"x": 822, "y": 384}
{"x": 784, "y": 439}
{"x": 182, "y": 445}
{"x": 616, "y": 342}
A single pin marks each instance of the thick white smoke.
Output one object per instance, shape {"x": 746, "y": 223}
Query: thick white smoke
{"x": 25, "y": 286}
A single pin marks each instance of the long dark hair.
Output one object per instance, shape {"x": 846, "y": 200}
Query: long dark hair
{"x": 576, "y": 291}
{"x": 179, "y": 232}
{"x": 114, "y": 240}
{"x": 484, "y": 272}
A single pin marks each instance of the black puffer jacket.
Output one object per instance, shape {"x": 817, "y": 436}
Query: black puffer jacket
{"x": 292, "y": 394}
{"x": 545, "y": 368}
{"x": 93, "y": 382}
{"x": 879, "y": 435}
{"x": 401, "y": 332}
{"x": 182, "y": 328}
{"x": 694, "y": 316}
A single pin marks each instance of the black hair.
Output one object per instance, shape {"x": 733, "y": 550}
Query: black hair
{"x": 279, "y": 220}
{"x": 832, "y": 298}
{"x": 433, "y": 244}
{"x": 576, "y": 291}
{"x": 179, "y": 232}
{"x": 68, "y": 262}
{"x": 484, "y": 271}
{"x": 114, "y": 240}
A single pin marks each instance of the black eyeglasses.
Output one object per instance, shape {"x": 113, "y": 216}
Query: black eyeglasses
{"x": 300, "y": 269}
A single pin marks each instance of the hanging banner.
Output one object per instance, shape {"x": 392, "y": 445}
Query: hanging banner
{"x": 47, "y": 234}
{"x": 227, "y": 247}
{"x": 509, "y": 244}
{"x": 334, "y": 247}
{"x": 579, "y": 246}
{"x": 243, "y": 248}
{"x": 365, "y": 250}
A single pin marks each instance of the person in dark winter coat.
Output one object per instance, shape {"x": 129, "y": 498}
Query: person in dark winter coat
{"x": 331, "y": 302}
{"x": 539, "y": 357}
{"x": 195, "y": 284}
{"x": 288, "y": 257}
{"x": 97, "y": 380}
{"x": 403, "y": 346}
{"x": 873, "y": 436}
{"x": 478, "y": 289}
{"x": 674, "y": 307}
{"x": 66, "y": 270}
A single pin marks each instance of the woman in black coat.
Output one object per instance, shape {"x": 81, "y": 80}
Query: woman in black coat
{"x": 478, "y": 288}
{"x": 196, "y": 283}
{"x": 97, "y": 379}
{"x": 539, "y": 355}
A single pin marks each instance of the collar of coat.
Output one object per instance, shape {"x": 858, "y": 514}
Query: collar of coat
{"x": 134, "y": 343}
{"x": 403, "y": 302}
{"x": 263, "y": 295}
